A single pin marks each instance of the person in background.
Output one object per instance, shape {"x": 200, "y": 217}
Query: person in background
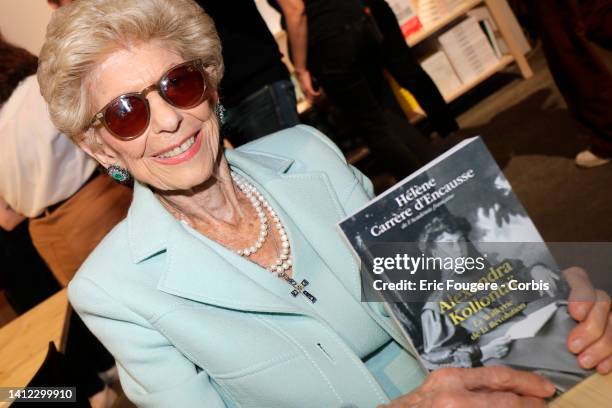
{"x": 45, "y": 170}
{"x": 196, "y": 292}
{"x": 71, "y": 206}
{"x": 338, "y": 43}
{"x": 25, "y": 278}
{"x": 400, "y": 61}
{"x": 52, "y": 183}
{"x": 566, "y": 29}
{"x": 256, "y": 91}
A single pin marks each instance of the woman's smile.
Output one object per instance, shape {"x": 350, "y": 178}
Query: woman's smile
{"x": 182, "y": 152}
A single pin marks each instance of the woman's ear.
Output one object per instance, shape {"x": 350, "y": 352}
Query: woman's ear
{"x": 95, "y": 147}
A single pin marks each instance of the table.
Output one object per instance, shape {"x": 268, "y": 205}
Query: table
{"x": 594, "y": 392}
{"x": 25, "y": 340}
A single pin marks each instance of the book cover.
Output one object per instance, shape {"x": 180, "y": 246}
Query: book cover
{"x": 439, "y": 68}
{"x": 468, "y": 49}
{"x": 463, "y": 270}
{"x": 432, "y": 11}
{"x": 488, "y": 30}
{"x": 407, "y": 18}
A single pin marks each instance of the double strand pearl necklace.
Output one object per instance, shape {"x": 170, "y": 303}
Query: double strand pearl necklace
{"x": 261, "y": 205}
{"x": 283, "y": 262}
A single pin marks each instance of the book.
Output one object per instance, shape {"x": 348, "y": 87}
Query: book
{"x": 439, "y": 68}
{"x": 487, "y": 23}
{"x": 432, "y": 11}
{"x": 407, "y": 18}
{"x": 468, "y": 49}
{"x": 505, "y": 13}
{"x": 488, "y": 31}
{"x": 463, "y": 271}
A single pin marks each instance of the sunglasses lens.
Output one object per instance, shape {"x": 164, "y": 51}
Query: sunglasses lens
{"x": 127, "y": 116}
{"x": 184, "y": 86}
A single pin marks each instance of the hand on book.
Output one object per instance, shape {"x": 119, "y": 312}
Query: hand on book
{"x": 591, "y": 339}
{"x": 481, "y": 387}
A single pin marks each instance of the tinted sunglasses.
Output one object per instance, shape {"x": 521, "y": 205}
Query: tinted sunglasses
{"x": 183, "y": 86}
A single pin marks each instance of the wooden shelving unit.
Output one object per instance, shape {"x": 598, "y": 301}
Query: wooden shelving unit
{"x": 499, "y": 10}
{"x": 504, "y": 61}
{"x": 426, "y": 32}
{"x": 500, "y": 15}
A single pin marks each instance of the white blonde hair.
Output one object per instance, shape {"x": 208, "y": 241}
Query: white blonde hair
{"x": 83, "y": 33}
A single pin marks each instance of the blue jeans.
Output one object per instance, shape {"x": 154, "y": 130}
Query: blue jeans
{"x": 266, "y": 111}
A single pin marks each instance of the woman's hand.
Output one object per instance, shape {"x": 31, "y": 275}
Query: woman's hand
{"x": 483, "y": 387}
{"x": 591, "y": 339}
{"x": 496, "y": 348}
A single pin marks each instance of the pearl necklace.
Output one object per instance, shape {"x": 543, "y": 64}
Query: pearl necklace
{"x": 283, "y": 262}
{"x": 261, "y": 205}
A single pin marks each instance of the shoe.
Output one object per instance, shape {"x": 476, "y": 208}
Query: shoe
{"x": 589, "y": 159}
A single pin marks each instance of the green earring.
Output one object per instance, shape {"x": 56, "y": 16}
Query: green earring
{"x": 119, "y": 174}
{"x": 220, "y": 111}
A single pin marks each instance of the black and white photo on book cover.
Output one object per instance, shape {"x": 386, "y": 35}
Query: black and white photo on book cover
{"x": 463, "y": 270}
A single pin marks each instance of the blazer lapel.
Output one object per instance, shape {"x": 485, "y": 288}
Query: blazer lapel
{"x": 196, "y": 270}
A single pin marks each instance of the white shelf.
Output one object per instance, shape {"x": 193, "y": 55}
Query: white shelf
{"x": 504, "y": 61}
{"x": 425, "y": 32}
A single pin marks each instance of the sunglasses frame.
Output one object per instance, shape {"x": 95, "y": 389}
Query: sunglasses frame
{"x": 198, "y": 64}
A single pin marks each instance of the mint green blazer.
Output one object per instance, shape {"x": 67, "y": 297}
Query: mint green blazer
{"x": 191, "y": 327}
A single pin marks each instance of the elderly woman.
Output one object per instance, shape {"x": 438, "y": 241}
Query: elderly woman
{"x": 227, "y": 284}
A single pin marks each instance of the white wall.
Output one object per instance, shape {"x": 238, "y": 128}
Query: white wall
{"x": 23, "y": 22}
